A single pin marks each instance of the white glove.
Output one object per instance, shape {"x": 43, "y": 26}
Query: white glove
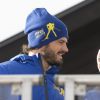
{"x": 98, "y": 60}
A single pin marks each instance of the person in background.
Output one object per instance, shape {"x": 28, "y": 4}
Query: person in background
{"x": 94, "y": 94}
{"x": 47, "y": 43}
{"x": 98, "y": 60}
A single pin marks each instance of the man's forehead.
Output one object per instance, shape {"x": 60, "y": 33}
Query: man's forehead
{"x": 64, "y": 39}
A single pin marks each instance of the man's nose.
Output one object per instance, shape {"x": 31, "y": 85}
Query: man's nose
{"x": 65, "y": 48}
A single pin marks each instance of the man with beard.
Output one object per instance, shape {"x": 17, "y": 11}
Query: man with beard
{"x": 47, "y": 39}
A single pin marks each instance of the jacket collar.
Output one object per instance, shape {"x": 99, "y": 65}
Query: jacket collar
{"x": 37, "y": 58}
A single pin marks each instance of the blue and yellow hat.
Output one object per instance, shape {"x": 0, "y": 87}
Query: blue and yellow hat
{"x": 43, "y": 28}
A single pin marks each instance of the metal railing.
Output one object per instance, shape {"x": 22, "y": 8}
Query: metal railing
{"x": 25, "y": 82}
{"x": 74, "y": 84}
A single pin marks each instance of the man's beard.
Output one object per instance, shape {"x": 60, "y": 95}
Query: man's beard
{"x": 51, "y": 58}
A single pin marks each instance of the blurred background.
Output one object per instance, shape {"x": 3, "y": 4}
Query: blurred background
{"x": 82, "y": 18}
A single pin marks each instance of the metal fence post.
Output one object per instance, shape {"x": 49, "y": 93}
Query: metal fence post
{"x": 69, "y": 89}
{"x": 27, "y": 89}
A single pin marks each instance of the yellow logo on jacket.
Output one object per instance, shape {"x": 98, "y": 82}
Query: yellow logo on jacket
{"x": 61, "y": 90}
{"x": 50, "y": 27}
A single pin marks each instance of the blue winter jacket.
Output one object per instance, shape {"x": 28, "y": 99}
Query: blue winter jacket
{"x": 93, "y": 95}
{"x": 24, "y": 64}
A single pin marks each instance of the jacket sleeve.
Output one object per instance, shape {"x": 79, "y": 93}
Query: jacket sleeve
{"x": 4, "y": 67}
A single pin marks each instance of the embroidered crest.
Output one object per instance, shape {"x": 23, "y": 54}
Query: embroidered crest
{"x": 61, "y": 90}
{"x": 50, "y": 27}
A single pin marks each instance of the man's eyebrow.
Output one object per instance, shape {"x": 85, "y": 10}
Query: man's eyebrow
{"x": 64, "y": 41}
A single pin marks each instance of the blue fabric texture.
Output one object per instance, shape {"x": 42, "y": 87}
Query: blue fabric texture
{"x": 43, "y": 28}
{"x": 93, "y": 95}
{"x": 23, "y": 64}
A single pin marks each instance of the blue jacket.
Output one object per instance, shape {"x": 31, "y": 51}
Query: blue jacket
{"x": 24, "y": 64}
{"x": 93, "y": 95}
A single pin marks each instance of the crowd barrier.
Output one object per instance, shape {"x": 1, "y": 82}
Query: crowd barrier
{"x": 74, "y": 84}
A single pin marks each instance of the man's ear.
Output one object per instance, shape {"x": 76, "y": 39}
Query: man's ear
{"x": 42, "y": 50}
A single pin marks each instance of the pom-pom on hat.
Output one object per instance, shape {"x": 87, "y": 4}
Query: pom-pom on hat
{"x": 43, "y": 28}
